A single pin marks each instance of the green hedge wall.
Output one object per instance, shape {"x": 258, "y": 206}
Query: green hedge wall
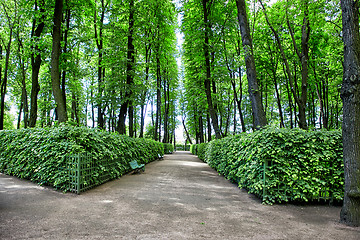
{"x": 199, "y": 150}
{"x": 39, "y": 154}
{"x": 168, "y": 148}
{"x": 300, "y": 165}
{"x": 193, "y": 149}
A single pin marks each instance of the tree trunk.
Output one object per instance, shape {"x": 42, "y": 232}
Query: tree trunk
{"x": 304, "y": 58}
{"x": 131, "y": 120}
{"x": 186, "y": 131}
{"x": 325, "y": 94}
{"x": 350, "y": 94}
{"x": 24, "y": 100}
{"x": 208, "y": 127}
{"x": 207, "y": 82}
{"x": 92, "y": 108}
{"x": 235, "y": 123}
{"x": 55, "y": 63}
{"x": 201, "y": 129}
{"x": 129, "y": 79}
{"x": 278, "y": 100}
{"x": 300, "y": 101}
{"x": 158, "y": 96}
{"x": 255, "y": 98}
{"x": 19, "y": 117}
{"x": 74, "y": 109}
{"x": 166, "y": 112}
{"x": 142, "y": 114}
{"x": 101, "y": 70}
{"x": 143, "y": 95}
{"x": 3, "y": 83}
{"x": 36, "y": 63}
{"x": 64, "y": 50}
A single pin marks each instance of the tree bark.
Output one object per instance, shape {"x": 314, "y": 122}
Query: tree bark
{"x": 350, "y": 94}
{"x": 158, "y": 96}
{"x": 166, "y": 104}
{"x": 208, "y": 127}
{"x": 130, "y": 68}
{"x": 3, "y": 83}
{"x": 255, "y": 97}
{"x": 64, "y": 50}
{"x": 142, "y": 114}
{"x": 127, "y": 104}
{"x": 186, "y": 131}
{"x": 24, "y": 99}
{"x": 36, "y": 63}
{"x": 74, "y": 109}
{"x": 19, "y": 116}
{"x": 144, "y": 92}
{"x": 55, "y": 63}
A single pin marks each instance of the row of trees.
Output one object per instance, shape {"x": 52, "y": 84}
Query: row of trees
{"x": 246, "y": 65}
{"x": 98, "y": 63}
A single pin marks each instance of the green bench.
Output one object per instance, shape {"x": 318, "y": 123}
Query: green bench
{"x": 136, "y": 167}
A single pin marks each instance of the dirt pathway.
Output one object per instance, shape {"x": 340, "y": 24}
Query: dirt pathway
{"x": 178, "y": 197}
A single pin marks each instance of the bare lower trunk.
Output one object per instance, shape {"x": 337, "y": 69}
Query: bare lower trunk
{"x": 350, "y": 94}
{"x": 55, "y": 63}
{"x": 255, "y": 97}
{"x": 158, "y": 101}
{"x": 36, "y": 64}
{"x": 186, "y": 131}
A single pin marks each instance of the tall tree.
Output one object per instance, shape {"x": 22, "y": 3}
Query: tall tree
{"x": 4, "y": 79}
{"x": 303, "y": 55}
{"x": 255, "y": 97}
{"x": 55, "y": 62}
{"x": 127, "y": 104}
{"x": 350, "y": 94}
{"x": 99, "y": 31}
{"x": 37, "y": 29}
{"x": 130, "y": 68}
{"x": 207, "y": 5}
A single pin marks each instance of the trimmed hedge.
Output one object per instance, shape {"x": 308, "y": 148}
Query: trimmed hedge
{"x": 300, "y": 165}
{"x": 199, "y": 150}
{"x": 193, "y": 149}
{"x": 39, "y": 154}
{"x": 168, "y": 148}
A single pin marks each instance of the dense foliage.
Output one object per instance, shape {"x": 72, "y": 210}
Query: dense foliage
{"x": 39, "y": 154}
{"x": 300, "y": 165}
{"x": 117, "y": 65}
{"x": 287, "y": 83}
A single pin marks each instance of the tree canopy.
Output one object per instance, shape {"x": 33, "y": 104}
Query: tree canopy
{"x": 96, "y": 63}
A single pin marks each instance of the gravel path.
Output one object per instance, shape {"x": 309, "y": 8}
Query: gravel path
{"x": 178, "y": 197}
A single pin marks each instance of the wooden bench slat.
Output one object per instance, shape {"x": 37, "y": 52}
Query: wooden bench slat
{"x": 136, "y": 166}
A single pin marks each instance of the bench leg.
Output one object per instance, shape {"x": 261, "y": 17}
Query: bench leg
{"x": 137, "y": 170}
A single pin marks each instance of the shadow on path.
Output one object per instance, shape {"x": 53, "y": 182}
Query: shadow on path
{"x": 178, "y": 197}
